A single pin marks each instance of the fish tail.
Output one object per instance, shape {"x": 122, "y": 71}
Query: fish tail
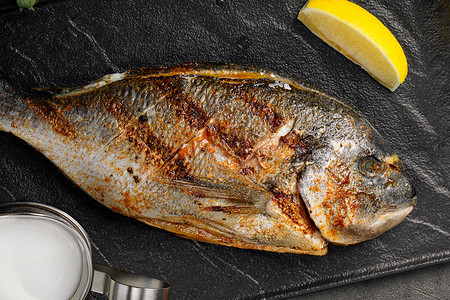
{"x": 12, "y": 107}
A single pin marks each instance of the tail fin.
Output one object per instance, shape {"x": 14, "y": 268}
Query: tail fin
{"x": 13, "y": 107}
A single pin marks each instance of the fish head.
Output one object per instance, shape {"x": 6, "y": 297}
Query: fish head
{"x": 354, "y": 187}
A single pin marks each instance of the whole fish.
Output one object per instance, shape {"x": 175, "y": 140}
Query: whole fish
{"x": 229, "y": 155}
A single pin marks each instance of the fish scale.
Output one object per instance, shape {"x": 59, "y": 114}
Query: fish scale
{"x": 219, "y": 98}
{"x": 229, "y": 154}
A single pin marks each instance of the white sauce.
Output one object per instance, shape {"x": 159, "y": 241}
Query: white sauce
{"x": 39, "y": 259}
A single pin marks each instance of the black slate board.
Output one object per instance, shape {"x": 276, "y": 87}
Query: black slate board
{"x": 66, "y": 43}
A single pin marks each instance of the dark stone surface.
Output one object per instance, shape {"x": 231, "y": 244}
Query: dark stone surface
{"x": 430, "y": 283}
{"x": 65, "y": 43}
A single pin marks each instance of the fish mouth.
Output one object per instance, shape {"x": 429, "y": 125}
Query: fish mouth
{"x": 409, "y": 203}
{"x": 384, "y": 221}
{"x": 390, "y": 219}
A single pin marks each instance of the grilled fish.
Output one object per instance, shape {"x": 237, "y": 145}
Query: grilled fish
{"x": 230, "y": 155}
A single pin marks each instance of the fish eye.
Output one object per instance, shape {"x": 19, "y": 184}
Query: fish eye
{"x": 370, "y": 166}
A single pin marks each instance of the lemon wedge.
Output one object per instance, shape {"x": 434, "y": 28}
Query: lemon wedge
{"x": 360, "y": 36}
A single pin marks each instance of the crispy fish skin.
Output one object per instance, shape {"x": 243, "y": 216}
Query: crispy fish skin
{"x": 213, "y": 153}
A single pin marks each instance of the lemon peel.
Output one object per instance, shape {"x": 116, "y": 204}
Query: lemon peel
{"x": 358, "y": 35}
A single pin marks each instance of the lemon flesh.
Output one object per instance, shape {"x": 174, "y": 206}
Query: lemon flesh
{"x": 358, "y": 35}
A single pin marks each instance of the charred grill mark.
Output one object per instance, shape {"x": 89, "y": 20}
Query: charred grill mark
{"x": 183, "y": 105}
{"x": 294, "y": 210}
{"x": 52, "y": 116}
{"x": 195, "y": 117}
{"x": 177, "y": 170}
{"x": 304, "y": 147}
{"x": 240, "y": 147}
{"x": 176, "y": 150}
{"x": 137, "y": 131}
{"x": 248, "y": 94}
{"x": 143, "y": 132}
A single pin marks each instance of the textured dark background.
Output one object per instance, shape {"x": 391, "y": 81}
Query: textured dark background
{"x": 65, "y": 43}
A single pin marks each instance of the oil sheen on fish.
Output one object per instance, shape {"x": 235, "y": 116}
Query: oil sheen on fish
{"x": 229, "y": 155}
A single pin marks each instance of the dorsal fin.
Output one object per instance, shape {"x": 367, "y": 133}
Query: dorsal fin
{"x": 105, "y": 80}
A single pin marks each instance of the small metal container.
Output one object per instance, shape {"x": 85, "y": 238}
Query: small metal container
{"x": 114, "y": 283}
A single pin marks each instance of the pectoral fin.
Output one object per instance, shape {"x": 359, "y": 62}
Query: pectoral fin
{"x": 231, "y": 193}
